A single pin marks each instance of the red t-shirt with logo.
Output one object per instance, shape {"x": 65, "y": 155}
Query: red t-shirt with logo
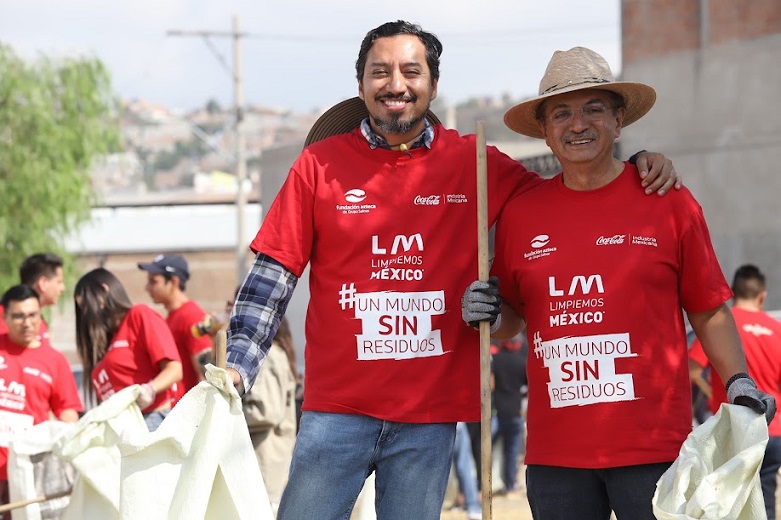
{"x": 601, "y": 277}
{"x": 180, "y": 321}
{"x": 140, "y": 343}
{"x": 33, "y": 383}
{"x": 3, "y": 326}
{"x": 760, "y": 334}
{"x": 391, "y": 238}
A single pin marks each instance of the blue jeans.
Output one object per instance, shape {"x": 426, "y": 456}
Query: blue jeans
{"x": 511, "y": 431}
{"x": 465, "y": 470}
{"x": 768, "y": 473}
{"x": 154, "y": 419}
{"x": 590, "y": 494}
{"x": 335, "y": 453}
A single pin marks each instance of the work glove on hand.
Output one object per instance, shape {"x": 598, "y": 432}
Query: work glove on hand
{"x": 481, "y": 302}
{"x": 742, "y": 390}
{"x": 147, "y": 395}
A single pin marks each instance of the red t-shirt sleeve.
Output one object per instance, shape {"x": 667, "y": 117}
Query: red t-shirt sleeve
{"x": 702, "y": 286}
{"x": 155, "y": 336}
{"x": 287, "y": 231}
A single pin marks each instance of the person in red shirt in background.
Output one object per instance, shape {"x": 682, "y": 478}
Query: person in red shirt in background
{"x": 122, "y": 344}
{"x": 167, "y": 277}
{"x": 761, "y": 337}
{"x": 35, "y": 380}
{"x": 43, "y": 273}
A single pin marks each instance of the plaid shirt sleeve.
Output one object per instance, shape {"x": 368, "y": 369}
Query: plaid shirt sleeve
{"x": 259, "y": 307}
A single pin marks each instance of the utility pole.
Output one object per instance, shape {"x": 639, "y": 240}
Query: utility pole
{"x": 238, "y": 107}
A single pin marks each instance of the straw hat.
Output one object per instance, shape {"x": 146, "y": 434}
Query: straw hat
{"x": 577, "y": 69}
{"x": 344, "y": 117}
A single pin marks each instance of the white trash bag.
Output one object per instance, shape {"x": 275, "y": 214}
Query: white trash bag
{"x": 199, "y": 464}
{"x": 716, "y": 474}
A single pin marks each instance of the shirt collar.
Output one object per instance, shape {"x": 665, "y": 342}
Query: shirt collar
{"x": 377, "y": 141}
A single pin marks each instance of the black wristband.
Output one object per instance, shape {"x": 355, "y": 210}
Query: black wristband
{"x": 739, "y": 375}
{"x": 633, "y": 158}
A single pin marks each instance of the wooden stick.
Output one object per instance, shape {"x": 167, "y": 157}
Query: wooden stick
{"x": 36, "y": 500}
{"x": 486, "y": 458}
{"x": 221, "y": 348}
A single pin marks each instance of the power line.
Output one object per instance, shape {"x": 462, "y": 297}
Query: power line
{"x": 238, "y": 102}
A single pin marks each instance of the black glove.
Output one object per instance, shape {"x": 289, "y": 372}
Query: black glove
{"x": 481, "y": 302}
{"x": 742, "y": 390}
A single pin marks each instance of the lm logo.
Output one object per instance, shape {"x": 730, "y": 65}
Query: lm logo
{"x": 402, "y": 241}
{"x": 579, "y": 284}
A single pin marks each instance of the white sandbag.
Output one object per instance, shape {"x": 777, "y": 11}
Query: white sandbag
{"x": 92, "y": 449}
{"x": 199, "y": 464}
{"x": 34, "y": 471}
{"x": 716, "y": 474}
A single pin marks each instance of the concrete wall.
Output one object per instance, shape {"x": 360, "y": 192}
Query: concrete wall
{"x": 717, "y": 115}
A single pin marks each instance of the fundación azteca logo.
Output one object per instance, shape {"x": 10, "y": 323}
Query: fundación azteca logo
{"x": 354, "y": 195}
{"x": 539, "y": 248}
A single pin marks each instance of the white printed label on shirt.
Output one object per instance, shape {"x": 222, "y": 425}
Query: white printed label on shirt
{"x": 582, "y": 369}
{"x": 395, "y": 325}
{"x": 12, "y": 423}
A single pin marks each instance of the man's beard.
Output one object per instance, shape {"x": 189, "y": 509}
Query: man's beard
{"x": 395, "y": 125}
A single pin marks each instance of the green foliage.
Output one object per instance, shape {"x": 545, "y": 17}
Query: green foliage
{"x": 56, "y": 117}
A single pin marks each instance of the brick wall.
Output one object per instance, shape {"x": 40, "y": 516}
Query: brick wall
{"x": 658, "y": 27}
{"x": 652, "y": 28}
{"x": 732, "y": 20}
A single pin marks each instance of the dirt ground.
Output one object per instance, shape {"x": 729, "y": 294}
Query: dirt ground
{"x": 502, "y": 508}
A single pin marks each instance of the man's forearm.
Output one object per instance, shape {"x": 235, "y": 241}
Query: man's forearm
{"x": 260, "y": 305}
{"x": 720, "y": 340}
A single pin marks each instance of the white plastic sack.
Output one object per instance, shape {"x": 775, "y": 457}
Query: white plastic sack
{"x": 34, "y": 471}
{"x": 199, "y": 464}
{"x": 716, "y": 474}
{"x": 92, "y": 449}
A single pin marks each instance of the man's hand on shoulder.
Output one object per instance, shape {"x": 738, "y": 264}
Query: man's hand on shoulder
{"x": 657, "y": 173}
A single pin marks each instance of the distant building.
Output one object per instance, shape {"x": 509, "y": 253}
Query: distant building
{"x": 714, "y": 65}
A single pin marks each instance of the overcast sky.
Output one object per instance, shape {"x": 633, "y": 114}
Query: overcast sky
{"x": 300, "y": 54}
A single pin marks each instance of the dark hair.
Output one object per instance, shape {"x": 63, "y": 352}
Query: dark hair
{"x": 37, "y": 265}
{"x": 748, "y": 283}
{"x": 18, "y": 293}
{"x": 431, "y": 42}
{"x": 616, "y": 102}
{"x": 170, "y": 276}
{"x": 103, "y": 305}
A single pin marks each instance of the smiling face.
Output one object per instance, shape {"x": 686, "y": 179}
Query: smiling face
{"x": 397, "y": 87}
{"x": 581, "y": 126}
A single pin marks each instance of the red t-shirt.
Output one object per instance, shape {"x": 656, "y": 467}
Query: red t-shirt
{"x": 140, "y": 343}
{"x": 391, "y": 239}
{"x": 180, "y": 321}
{"x": 601, "y": 277}
{"x": 33, "y": 383}
{"x": 760, "y": 334}
{"x": 3, "y": 326}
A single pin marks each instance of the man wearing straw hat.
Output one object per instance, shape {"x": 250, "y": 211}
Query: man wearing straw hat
{"x": 599, "y": 276}
{"x": 382, "y": 205}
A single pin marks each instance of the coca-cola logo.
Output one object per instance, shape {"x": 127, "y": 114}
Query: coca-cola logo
{"x": 431, "y": 200}
{"x": 615, "y": 239}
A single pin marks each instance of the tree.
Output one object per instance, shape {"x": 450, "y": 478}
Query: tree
{"x": 56, "y": 117}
